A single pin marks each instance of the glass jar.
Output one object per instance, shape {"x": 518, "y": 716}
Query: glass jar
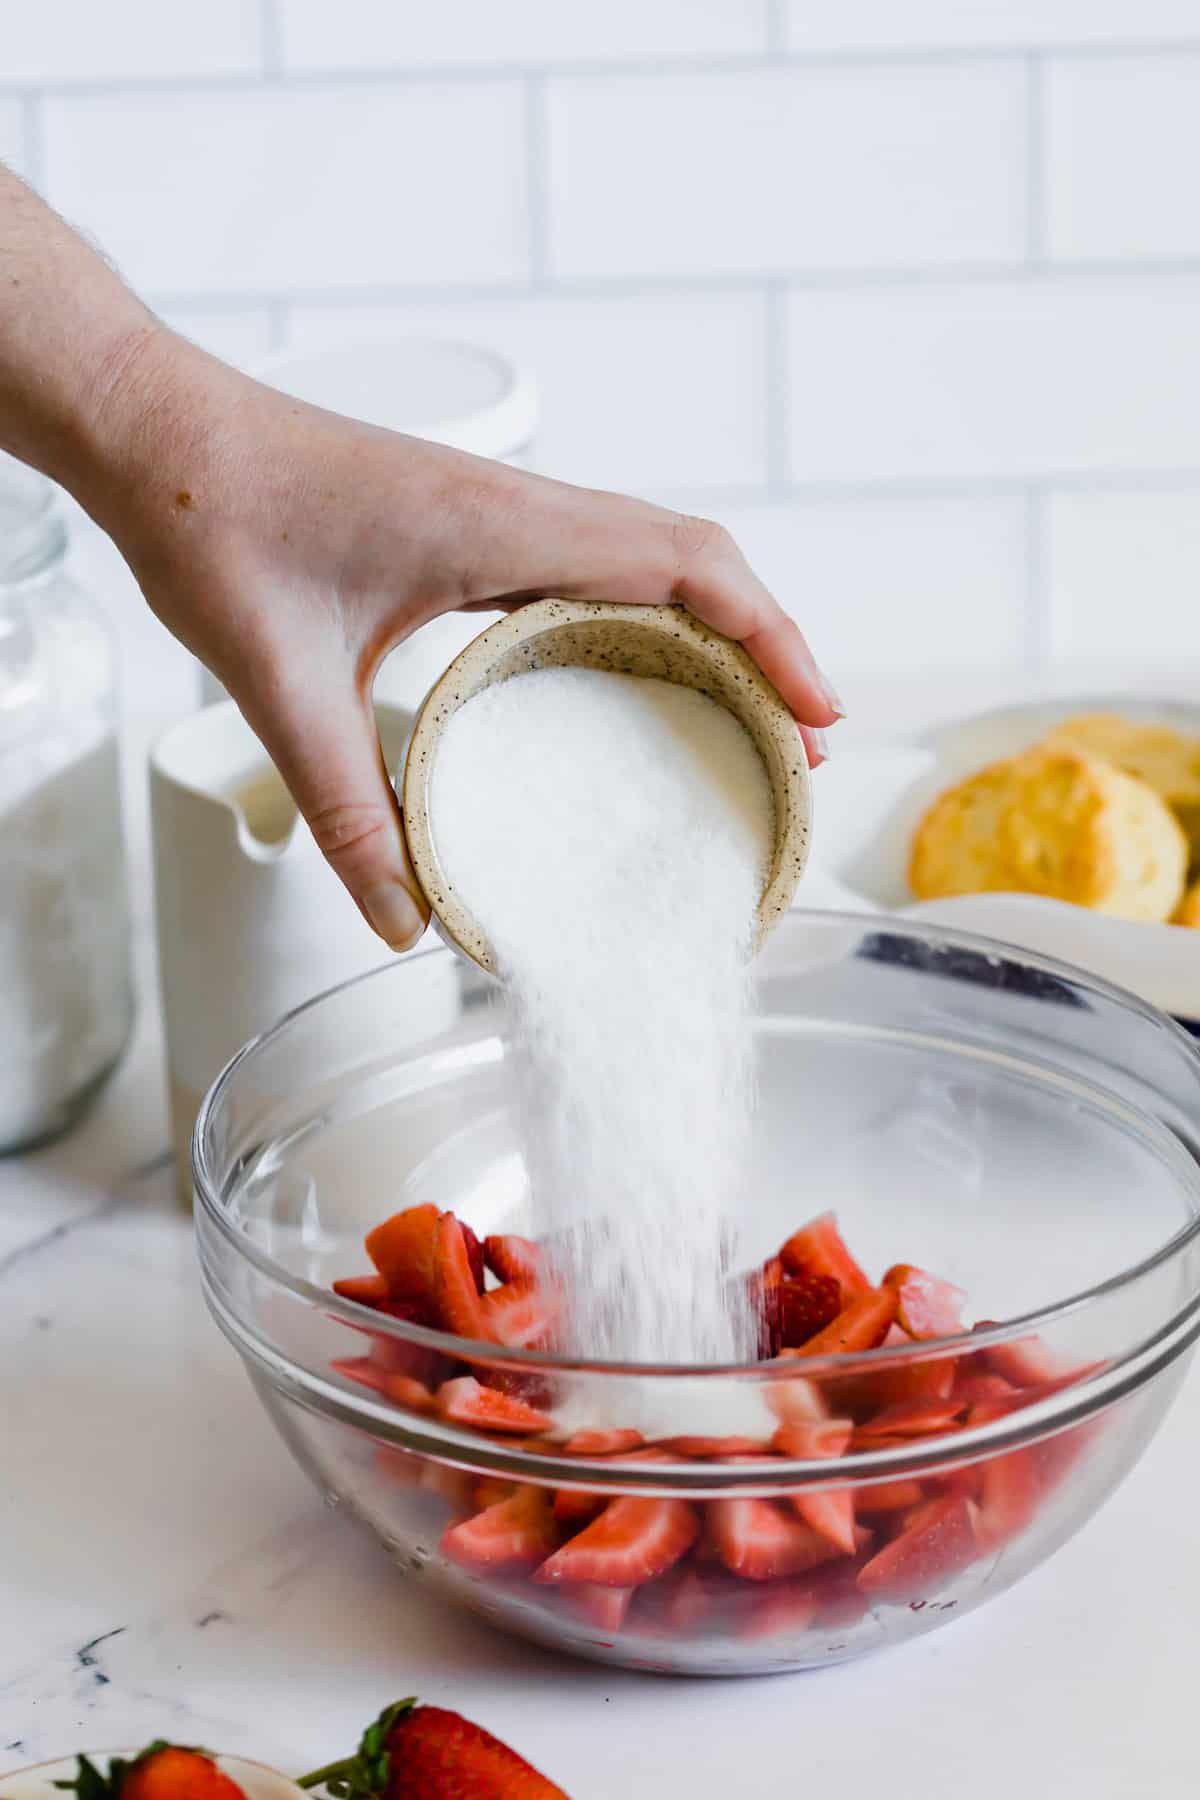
{"x": 66, "y": 988}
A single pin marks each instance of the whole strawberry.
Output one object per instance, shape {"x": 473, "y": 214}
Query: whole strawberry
{"x": 161, "y": 1771}
{"x": 416, "y": 1752}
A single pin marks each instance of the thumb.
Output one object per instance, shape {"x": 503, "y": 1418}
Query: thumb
{"x": 326, "y": 746}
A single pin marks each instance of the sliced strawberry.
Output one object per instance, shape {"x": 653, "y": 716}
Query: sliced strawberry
{"x": 1009, "y": 1491}
{"x": 713, "y": 1449}
{"x": 402, "y": 1250}
{"x": 604, "y": 1607}
{"x": 520, "y": 1316}
{"x": 1030, "y": 1363}
{"x": 409, "y": 1393}
{"x": 807, "y": 1304}
{"x": 490, "y": 1491}
{"x": 513, "y": 1258}
{"x": 575, "y": 1506}
{"x": 474, "y": 1256}
{"x": 784, "y": 1606}
{"x": 928, "y": 1306}
{"x": 517, "y": 1533}
{"x": 763, "y": 1288}
{"x": 455, "y": 1296}
{"x": 602, "y": 1443}
{"x": 796, "y": 1400}
{"x": 760, "y": 1541}
{"x": 364, "y": 1290}
{"x": 974, "y": 1386}
{"x": 829, "y": 1511}
{"x": 862, "y": 1325}
{"x": 464, "y": 1402}
{"x": 818, "y": 1249}
{"x": 910, "y": 1419}
{"x": 454, "y": 1486}
{"x": 692, "y": 1602}
{"x": 633, "y": 1540}
{"x": 362, "y": 1369}
{"x": 395, "y": 1356}
{"x": 937, "y": 1543}
{"x": 889, "y": 1496}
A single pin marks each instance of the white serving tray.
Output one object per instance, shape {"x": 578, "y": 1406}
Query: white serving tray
{"x": 867, "y": 804}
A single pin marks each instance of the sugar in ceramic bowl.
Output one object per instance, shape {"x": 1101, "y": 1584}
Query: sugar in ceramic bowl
{"x": 664, "y": 642}
{"x": 1029, "y": 1133}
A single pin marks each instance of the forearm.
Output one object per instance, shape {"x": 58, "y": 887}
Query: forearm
{"x": 70, "y": 334}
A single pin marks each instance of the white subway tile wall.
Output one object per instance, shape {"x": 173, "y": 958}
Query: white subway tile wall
{"x": 907, "y": 295}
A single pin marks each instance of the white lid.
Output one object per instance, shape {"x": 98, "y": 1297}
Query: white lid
{"x": 458, "y": 394}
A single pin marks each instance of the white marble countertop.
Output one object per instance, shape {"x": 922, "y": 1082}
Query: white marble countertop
{"x": 166, "y": 1569}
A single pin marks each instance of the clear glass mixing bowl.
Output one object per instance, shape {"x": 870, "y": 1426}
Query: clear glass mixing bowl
{"x": 1028, "y": 1133}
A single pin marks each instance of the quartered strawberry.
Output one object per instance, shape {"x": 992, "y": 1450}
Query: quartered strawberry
{"x": 474, "y": 1256}
{"x": 862, "y": 1325}
{"x": 161, "y": 1771}
{"x": 395, "y": 1355}
{"x": 928, "y": 1306}
{"x": 513, "y": 1258}
{"x": 796, "y": 1400}
{"x": 910, "y": 1419}
{"x": 464, "y": 1402}
{"x": 936, "y": 1544}
{"x": 691, "y": 1602}
{"x": 829, "y": 1511}
{"x": 807, "y": 1304}
{"x": 490, "y": 1491}
{"x": 604, "y": 1607}
{"x": 517, "y": 1533}
{"x": 763, "y": 1288}
{"x": 364, "y": 1290}
{"x": 602, "y": 1443}
{"x": 1028, "y": 1363}
{"x": 889, "y": 1496}
{"x": 519, "y": 1315}
{"x": 973, "y": 1385}
{"x": 575, "y": 1506}
{"x": 633, "y": 1540}
{"x": 1009, "y": 1490}
{"x": 405, "y": 1391}
{"x": 784, "y": 1606}
{"x": 713, "y": 1449}
{"x": 456, "y": 1298}
{"x": 402, "y": 1250}
{"x": 416, "y": 1752}
{"x": 761, "y": 1541}
{"x": 818, "y": 1249}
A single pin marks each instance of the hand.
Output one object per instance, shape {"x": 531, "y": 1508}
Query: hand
{"x": 290, "y": 549}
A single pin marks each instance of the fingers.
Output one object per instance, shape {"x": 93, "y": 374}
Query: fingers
{"x": 325, "y": 745}
{"x": 717, "y": 584}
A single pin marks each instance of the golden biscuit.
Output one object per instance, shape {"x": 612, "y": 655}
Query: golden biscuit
{"x": 1056, "y": 822}
{"x": 1189, "y": 909}
{"x": 1167, "y": 760}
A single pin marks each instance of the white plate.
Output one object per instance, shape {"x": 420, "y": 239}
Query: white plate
{"x": 867, "y": 804}
{"x": 256, "y": 1780}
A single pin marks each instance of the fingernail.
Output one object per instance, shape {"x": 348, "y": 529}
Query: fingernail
{"x": 832, "y": 697}
{"x": 393, "y": 914}
{"x": 820, "y": 744}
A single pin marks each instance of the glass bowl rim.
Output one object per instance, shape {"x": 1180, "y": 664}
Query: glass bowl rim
{"x": 211, "y": 1212}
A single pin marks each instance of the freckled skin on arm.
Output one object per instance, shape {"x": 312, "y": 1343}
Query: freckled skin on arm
{"x": 290, "y": 549}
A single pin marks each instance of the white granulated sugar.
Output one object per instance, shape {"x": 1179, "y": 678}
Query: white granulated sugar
{"x": 612, "y": 836}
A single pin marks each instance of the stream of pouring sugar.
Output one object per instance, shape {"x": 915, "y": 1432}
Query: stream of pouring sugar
{"x": 611, "y": 834}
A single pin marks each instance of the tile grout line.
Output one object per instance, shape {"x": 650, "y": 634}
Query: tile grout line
{"x": 537, "y": 153}
{"x": 775, "y": 377}
{"x": 270, "y": 34}
{"x": 733, "y": 63}
{"x": 1036, "y": 101}
{"x": 1038, "y": 623}
{"x": 33, "y": 141}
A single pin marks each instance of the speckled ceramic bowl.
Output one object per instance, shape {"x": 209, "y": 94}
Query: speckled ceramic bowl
{"x": 663, "y": 642}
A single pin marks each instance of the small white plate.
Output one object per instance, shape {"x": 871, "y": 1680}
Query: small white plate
{"x": 867, "y": 805}
{"x": 256, "y": 1780}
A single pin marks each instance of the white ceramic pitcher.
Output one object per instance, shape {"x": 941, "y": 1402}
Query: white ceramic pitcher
{"x": 251, "y": 919}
